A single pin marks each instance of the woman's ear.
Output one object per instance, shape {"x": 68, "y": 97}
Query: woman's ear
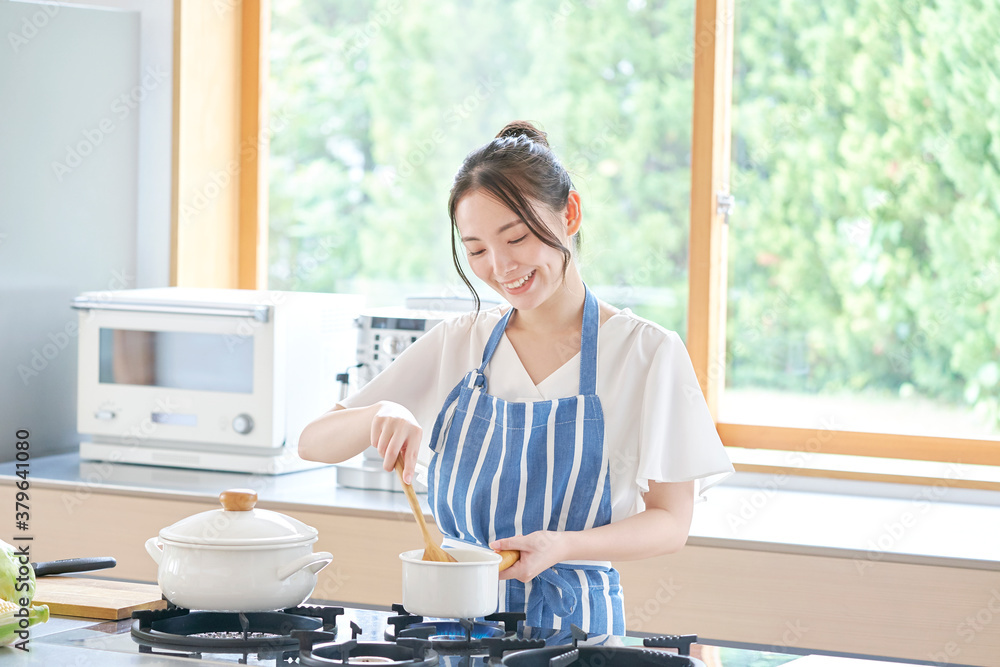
{"x": 574, "y": 213}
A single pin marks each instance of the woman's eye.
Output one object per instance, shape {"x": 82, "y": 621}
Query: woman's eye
{"x": 520, "y": 239}
{"x": 473, "y": 253}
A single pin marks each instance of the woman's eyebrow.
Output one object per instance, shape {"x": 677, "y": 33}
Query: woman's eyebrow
{"x": 466, "y": 239}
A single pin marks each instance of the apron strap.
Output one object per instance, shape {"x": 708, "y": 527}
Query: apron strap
{"x": 557, "y": 593}
{"x": 491, "y": 346}
{"x": 588, "y": 345}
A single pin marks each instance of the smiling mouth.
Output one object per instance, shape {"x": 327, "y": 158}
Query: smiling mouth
{"x": 519, "y": 282}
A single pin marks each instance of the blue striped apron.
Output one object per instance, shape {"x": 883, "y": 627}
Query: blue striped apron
{"x": 504, "y": 468}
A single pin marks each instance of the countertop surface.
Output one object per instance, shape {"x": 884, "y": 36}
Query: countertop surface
{"x": 314, "y": 489}
{"x": 903, "y": 523}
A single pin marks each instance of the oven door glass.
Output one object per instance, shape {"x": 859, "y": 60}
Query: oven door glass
{"x": 177, "y": 359}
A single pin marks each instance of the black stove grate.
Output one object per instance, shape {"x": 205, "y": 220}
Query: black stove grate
{"x": 578, "y": 655}
{"x": 451, "y": 633}
{"x": 450, "y": 636}
{"x": 320, "y": 649}
{"x": 308, "y": 636}
{"x": 230, "y": 632}
{"x": 589, "y": 656}
{"x": 680, "y": 642}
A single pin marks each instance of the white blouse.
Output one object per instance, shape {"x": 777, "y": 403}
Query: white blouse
{"x": 656, "y": 423}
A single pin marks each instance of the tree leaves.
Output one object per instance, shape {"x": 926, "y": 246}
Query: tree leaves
{"x": 893, "y": 153}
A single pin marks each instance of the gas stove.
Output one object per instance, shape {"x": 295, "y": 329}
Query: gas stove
{"x": 494, "y": 640}
{"x": 328, "y": 635}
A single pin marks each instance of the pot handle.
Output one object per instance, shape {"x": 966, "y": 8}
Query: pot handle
{"x": 154, "y": 549}
{"x": 313, "y": 562}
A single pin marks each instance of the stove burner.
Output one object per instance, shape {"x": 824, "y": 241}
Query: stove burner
{"x": 446, "y": 636}
{"x": 451, "y": 631}
{"x": 319, "y": 649}
{"x": 235, "y": 635}
{"x": 461, "y": 633}
{"x": 229, "y": 632}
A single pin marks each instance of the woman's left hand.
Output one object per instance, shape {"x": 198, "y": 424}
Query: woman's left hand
{"x": 539, "y": 551}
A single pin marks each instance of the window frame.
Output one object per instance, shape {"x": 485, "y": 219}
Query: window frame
{"x": 710, "y": 160}
{"x": 239, "y": 241}
{"x": 218, "y": 235}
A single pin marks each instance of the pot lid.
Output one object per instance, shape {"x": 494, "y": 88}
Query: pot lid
{"x": 238, "y": 523}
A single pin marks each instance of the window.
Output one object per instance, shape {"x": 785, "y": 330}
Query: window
{"x": 864, "y": 258}
{"x": 380, "y": 102}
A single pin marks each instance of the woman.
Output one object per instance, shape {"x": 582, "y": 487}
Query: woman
{"x": 562, "y": 427}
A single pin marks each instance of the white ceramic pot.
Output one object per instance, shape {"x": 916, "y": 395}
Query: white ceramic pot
{"x": 237, "y": 558}
{"x": 466, "y": 589}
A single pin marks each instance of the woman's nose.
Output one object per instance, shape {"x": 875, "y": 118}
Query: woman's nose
{"x": 503, "y": 263}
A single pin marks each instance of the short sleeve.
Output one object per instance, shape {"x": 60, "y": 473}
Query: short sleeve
{"x": 421, "y": 378}
{"x": 406, "y": 379}
{"x": 678, "y": 438}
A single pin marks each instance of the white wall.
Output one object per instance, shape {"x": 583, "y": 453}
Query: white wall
{"x": 155, "y": 114}
{"x": 85, "y": 136}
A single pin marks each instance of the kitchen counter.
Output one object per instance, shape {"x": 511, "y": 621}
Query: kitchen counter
{"x": 920, "y": 525}
{"x": 912, "y": 573}
{"x": 314, "y": 489}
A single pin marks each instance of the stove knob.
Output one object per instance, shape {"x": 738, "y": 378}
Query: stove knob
{"x": 242, "y": 424}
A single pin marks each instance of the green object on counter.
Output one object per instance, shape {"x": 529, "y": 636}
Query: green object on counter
{"x": 11, "y": 623}
{"x": 17, "y": 585}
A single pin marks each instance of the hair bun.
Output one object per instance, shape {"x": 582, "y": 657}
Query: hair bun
{"x": 522, "y": 128}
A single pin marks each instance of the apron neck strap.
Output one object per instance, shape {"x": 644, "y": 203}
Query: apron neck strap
{"x": 491, "y": 344}
{"x": 588, "y": 343}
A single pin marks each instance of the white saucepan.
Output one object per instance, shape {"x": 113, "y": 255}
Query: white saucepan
{"x": 237, "y": 558}
{"x": 466, "y": 589}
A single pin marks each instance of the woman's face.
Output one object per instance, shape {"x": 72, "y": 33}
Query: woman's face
{"x": 505, "y": 254}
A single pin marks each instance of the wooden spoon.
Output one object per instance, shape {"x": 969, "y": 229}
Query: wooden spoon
{"x": 432, "y": 551}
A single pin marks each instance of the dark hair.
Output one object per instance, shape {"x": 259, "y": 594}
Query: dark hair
{"x": 516, "y": 167}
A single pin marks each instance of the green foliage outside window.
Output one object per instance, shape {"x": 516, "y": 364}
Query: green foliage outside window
{"x": 863, "y": 253}
{"x": 383, "y": 100}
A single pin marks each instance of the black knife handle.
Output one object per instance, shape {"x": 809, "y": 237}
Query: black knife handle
{"x": 73, "y": 565}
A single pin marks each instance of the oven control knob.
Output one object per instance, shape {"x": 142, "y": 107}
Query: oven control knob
{"x": 242, "y": 424}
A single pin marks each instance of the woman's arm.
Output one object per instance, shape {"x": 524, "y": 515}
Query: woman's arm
{"x": 661, "y": 528}
{"x": 337, "y": 435}
{"x": 343, "y": 433}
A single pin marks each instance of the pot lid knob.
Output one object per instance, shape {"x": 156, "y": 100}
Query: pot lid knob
{"x": 238, "y": 500}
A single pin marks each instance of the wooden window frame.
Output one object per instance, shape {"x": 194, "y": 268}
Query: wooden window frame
{"x": 706, "y": 339}
{"x": 228, "y": 245}
{"x": 220, "y": 136}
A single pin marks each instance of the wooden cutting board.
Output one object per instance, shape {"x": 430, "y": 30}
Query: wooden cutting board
{"x": 96, "y": 598}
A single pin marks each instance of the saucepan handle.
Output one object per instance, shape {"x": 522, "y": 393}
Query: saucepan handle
{"x": 509, "y": 556}
{"x": 312, "y": 562}
{"x": 154, "y": 549}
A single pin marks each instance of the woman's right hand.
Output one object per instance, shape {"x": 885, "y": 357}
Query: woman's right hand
{"x": 395, "y": 431}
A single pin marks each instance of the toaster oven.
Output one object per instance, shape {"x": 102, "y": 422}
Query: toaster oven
{"x": 212, "y": 379}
